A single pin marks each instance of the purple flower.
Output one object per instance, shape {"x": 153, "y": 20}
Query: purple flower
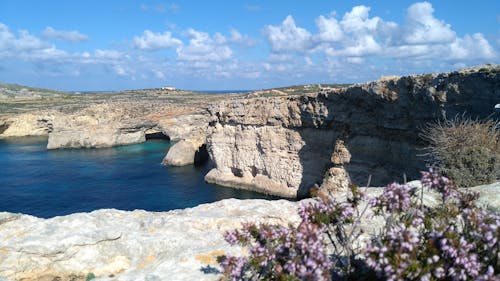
{"x": 432, "y": 180}
{"x": 395, "y": 197}
{"x": 234, "y": 267}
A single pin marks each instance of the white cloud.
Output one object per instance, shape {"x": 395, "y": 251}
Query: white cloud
{"x": 71, "y": 36}
{"x": 120, "y": 70}
{"x": 423, "y": 28}
{"x": 355, "y": 60}
{"x": 329, "y": 29}
{"x": 308, "y": 61}
{"x": 237, "y": 38}
{"x": 151, "y": 41}
{"x": 159, "y": 74}
{"x": 108, "y": 54}
{"x": 288, "y": 37}
{"x": 471, "y": 47}
{"x": 357, "y": 21}
{"x": 203, "y": 47}
{"x": 12, "y": 45}
{"x": 363, "y": 45}
{"x": 358, "y": 36}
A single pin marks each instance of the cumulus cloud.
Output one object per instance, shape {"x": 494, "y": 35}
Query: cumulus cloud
{"x": 423, "y": 28}
{"x": 52, "y": 61}
{"x": 10, "y": 44}
{"x": 203, "y": 47}
{"x": 357, "y": 35}
{"x": 151, "y": 41}
{"x": 65, "y": 35}
{"x": 471, "y": 47}
{"x": 329, "y": 29}
{"x": 357, "y": 21}
{"x": 288, "y": 37}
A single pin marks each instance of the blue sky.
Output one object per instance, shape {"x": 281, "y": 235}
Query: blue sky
{"x": 215, "y": 45}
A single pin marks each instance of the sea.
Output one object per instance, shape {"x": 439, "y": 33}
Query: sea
{"x": 47, "y": 183}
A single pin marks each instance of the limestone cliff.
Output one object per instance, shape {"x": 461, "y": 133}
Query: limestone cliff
{"x": 284, "y": 145}
{"x": 110, "y": 119}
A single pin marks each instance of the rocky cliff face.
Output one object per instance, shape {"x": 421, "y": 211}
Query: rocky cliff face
{"x": 284, "y": 145}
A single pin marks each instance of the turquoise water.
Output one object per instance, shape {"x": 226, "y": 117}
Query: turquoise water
{"x": 48, "y": 183}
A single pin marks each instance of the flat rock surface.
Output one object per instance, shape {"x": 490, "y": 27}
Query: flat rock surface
{"x": 136, "y": 245}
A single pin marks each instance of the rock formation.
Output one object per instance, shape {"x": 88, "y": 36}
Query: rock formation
{"x": 189, "y": 131}
{"x": 284, "y": 145}
{"x": 139, "y": 245}
{"x": 26, "y": 124}
{"x": 111, "y": 119}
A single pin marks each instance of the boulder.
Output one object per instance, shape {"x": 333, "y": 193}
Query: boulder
{"x": 181, "y": 153}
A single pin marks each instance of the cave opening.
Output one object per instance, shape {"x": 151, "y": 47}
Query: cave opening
{"x": 201, "y": 156}
{"x": 3, "y": 128}
{"x": 237, "y": 172}
{"x": 157, "y": 136}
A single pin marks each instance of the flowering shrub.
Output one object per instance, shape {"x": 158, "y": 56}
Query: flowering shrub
{"x": 278, "y": 253}
{"x": 455, "y": 240}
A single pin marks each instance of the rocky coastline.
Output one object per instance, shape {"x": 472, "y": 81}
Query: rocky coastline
{"x": 275, "y": 142}
{"x": 280, "y": 142}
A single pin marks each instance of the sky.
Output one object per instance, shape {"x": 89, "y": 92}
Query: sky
{"x": 227, "y": 45}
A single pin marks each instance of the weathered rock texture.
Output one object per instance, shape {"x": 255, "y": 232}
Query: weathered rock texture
{"x": 189, "y": 130}
{"x": 26, "y": 124}
{"x": 284, "y": 145}
{"x": 139, "y": 245}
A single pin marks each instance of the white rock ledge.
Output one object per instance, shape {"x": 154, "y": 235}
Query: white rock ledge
{"x": 129, "y": 245}
{"x": 140, "y": 245}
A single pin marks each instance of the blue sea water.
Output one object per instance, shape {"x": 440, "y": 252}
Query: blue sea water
{"x": 48, "y": 183}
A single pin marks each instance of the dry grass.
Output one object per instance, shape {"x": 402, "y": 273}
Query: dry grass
{"x": 466, "y": 150}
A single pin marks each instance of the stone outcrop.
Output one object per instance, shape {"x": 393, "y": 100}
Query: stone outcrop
{"x": 26, "y": 124}
{"x": 139, "y": 245}
{"x": 182, "y": 153}
{"x": 283, "y": 145}
{"x": 102, "y": 125}
{"x": 189, "y": 131}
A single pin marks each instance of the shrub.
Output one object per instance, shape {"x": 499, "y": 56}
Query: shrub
{"x": 466, "y": 150}
{"x": 453, "y": 241}
{"x": 456, "y": 240}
